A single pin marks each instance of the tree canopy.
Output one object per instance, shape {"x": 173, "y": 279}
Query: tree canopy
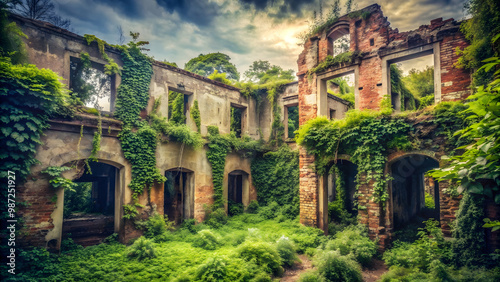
{"x": 262, "y": 72}
{"x": 43, "y": 10}
{"x": 205, "y": 65}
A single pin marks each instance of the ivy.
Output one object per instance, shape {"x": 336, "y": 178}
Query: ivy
{"x": 56, "y": 180}
{"x": 176, "y": 107}
{"x": 195, "y": 115}
{"x": 139, "y": 148}
{"x": 30, "y": 96}
{"x": 364, "y": 136}
{"x": 268, "y": 171}
{"x": 330, "y": 61}
{"x": 112, "y": 67}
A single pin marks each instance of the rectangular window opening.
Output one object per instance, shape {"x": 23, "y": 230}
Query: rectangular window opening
{"x": 292, "y": 120}
{"x": 178, "y": 107}
{"x": 237, "y": 120}
{"x": 412, "y": 83}
{"x": 91, "y": 85}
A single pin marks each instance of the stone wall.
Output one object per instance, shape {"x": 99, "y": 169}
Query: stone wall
{"x": 51, "y": 47}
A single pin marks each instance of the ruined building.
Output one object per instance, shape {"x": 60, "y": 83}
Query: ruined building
{"x": 190, "y": 186}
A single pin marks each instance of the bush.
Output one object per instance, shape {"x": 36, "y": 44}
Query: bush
{"x": 335, "y": 267}
{"x": 311, "y": 276}
{"x": 157, "y": 225}
{"x": 286, "y": 249}
{"x": 252, "y": 207}
{"x": 265, "y": 255}
{"x": 429, "y": 201}
{"x": 270, "y": 211}
{"x": 214, "y": 269}
{"x": 353, "y": 241}
{"x": 429, "y": 247}
{"x": 189, "y": 224}
{"x": 235, "y": 208}
{"x": 142, "y": 248}
{"x": 216, "y": 218}
{"x": 206, "y": 240}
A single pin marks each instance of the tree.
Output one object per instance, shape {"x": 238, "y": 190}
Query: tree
{"x": 420, "y": 83}
{"x": 262, "y": 72}
{"x": 39, "y": 10}
{"x": 205, "y": 65}
{"x": 480, "y": 31}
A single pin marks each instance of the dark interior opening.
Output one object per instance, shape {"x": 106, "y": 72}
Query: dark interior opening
{"x": 235, "y": 191}
{"x": 89, "y": 209}
{"x": 178, "y": 195}
{"x": 415, "y": 196}
{"x": 236, "y": 117}
{"x": 293, "y": 120}
{"x": 347, "y": 171}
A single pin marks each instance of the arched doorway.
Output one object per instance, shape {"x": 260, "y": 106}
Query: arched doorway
{"x": 415, "y": 197}
{"x": 179, "y": 194}
{"x": 237, "y": 191}
{"x": 89, "y": 209}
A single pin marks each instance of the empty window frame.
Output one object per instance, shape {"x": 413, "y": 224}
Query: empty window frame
{"x": 178, "y": 106}
{"x": 91, "y": 85}
{"x": 237, "y": 120}
{"x": 412, "y": 83}
{"x": 292, "y": 120}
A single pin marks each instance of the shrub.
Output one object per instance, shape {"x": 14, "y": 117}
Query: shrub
{"x": 429, "y": 201}
{"x": 265, "y": 255}
{"x": 157, "y": 225}
{"x": 252, "y": 207}
{"x": 206, "y": 240}
{"x": 311, "y": 276}
{"x": 214, "y": 269}
{"x": 286, "y": 249}
{"x": 142, "y": 248}
{"x": 216, "y": 218}
{"x": 261, "y": 277}
{"x": 111, "y": 239}
{"x": 335, "y": 267}
{"x": 235, "y": 208}
{"x": 353, "y": 241}
{"x": 189, "y": 224}
{"x": 270, "y": 211}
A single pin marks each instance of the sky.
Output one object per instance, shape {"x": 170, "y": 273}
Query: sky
{"x": 246, "y": 30}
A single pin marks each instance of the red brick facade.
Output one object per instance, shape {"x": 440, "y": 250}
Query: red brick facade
{"x": 379, "y": 45}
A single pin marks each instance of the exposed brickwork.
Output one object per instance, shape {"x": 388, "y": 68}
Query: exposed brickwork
{"x": 448, "y": 207}
{"x": 455, "y": 82}
{"x": 378, "y": 44}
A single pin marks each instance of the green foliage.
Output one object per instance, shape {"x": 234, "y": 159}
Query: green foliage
{"x": 235, "y": 121}
{"x": 262, "y": 72}
{"x": 330, "y": 61}
{"x": 420, "y": 82}
{"x": 56, "y": 180}
{"x": 469, "y": 244}
{"x": 311, "y": 276}
{"x": 265, "y": 255}
{"x": 112, "y": 67}
{"x": 173, "y": 64}
{"x": 11, "y": 44}
{"x": 176, "y": 107}
{"x": 493, "y": 224}
{"x": 429, "y": 247}
{"x": 252, "y": 207}
{"x": 130, "y": 211}
{"x": 361, "y": 134}
{"x": 216, "y": 218}
{"x": 139, "y": 148}
{"x": 207, "y": 64}
{"x": 218, "y": 148}
{"x": 30, "y": 96}
{"x": 408, "y": 101}
{"x": 353, "y": 240}
{"x": 477, "y": 170}
{"x": 79, "y": 199}
{"x": 293, "y": 121}
{"x": 429, "y": 201}
{"x": 426, "y": 101}
{"x": 287, "y": 251}
{"x": 346, "y": 92}
{"x": 142, "y": 249}
{"x": 220, "y": 77}
{"x": 214, "y": 269}
{"x": 332, "y": 266}
{"x": 480, "y": 30}
{"x": 195, "y": 115}
{"x": 96, "y": 143}
{"x": 206, "y": 240}
{"x": 157, "y": 225}
{"x": 267, "y": 174}
{"x": 133, "y": 92}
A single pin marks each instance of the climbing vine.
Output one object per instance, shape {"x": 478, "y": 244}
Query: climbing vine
{"x": 330, "y": 61}
{"x": 363, "y": 135}
{"x": 112, "y": 66}
{"x": 195, "y": 115}
{"x": 176, "y": 107}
